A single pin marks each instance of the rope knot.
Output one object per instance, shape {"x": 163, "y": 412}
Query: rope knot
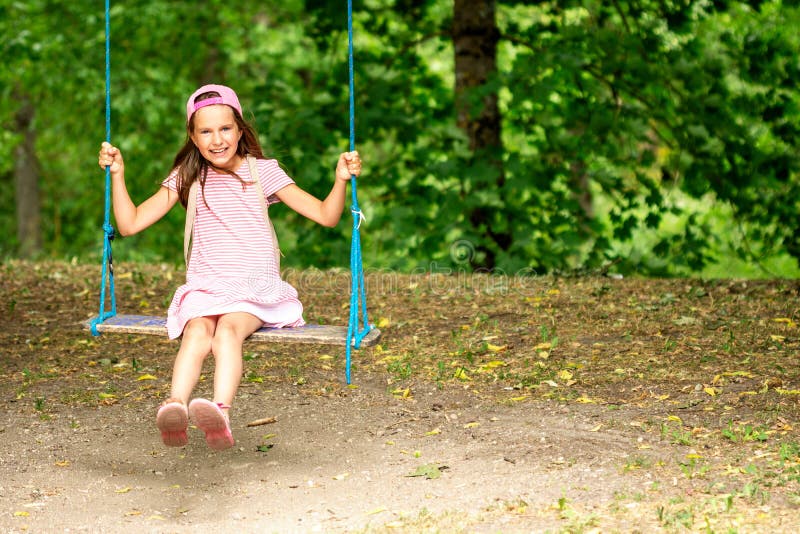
{"x": 109, "y": 230}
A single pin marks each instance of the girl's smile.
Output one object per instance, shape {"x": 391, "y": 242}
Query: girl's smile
{"x": 217, "y": 135}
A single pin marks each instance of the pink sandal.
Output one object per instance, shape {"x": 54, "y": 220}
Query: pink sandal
{"x": 173, "y": 420}
{"x": 209, "y": 417}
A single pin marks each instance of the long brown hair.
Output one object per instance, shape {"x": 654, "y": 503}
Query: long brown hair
{"x": 193, "y": 166}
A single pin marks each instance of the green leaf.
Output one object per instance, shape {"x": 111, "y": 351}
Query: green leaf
{"x": 429, "y": 471}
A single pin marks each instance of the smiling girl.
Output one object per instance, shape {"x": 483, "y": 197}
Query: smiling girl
{"x": 233, "y": 285}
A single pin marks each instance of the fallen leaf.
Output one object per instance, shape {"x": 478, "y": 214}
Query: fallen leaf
{"x": 383, "y": 322}
{"x": 493, "y": 365}
{"x": 21, "y": 514}
{"x": 473, "y": 424}
{"x": 402, "y": 392}
{"x": 429, "y": 471}
{"x": 341, "y": 476}
{"x": 433, "y": 432}
{"x": 461, "y": 374}
{"x": 123, "y": 490}
{"x": 496, "y": 348}
{"x": 565, "y": 375}
{"x": 62, "y": 463}
{"x": 746, "y": 374}
{"x": 146, "y": 377}
{"x": 789, "y": 322}
{"x": 782, "y": 425}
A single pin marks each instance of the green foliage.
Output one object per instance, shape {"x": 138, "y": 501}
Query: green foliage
{"x": 649, "y": 137}
{"x": 627, "y": 103}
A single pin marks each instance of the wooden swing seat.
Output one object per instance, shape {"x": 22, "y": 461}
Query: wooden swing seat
{"x": 310, "y": 333}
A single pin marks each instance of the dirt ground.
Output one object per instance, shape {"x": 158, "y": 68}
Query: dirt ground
{"x": 490, "y": 405}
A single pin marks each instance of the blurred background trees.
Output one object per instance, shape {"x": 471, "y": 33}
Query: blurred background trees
{"x": 649, "y": 137}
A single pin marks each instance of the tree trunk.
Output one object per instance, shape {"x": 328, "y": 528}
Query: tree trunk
{"x": 26, "y": 182}
{"x": 581, "y": 186}
{"x": 475, "y": 35}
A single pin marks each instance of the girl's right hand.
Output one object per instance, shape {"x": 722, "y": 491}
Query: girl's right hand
{"x": 110, "y": 155}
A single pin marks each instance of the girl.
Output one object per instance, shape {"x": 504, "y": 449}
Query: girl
{"x": 233, "y": 284}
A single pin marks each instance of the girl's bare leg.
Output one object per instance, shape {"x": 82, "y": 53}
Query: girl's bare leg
{"x": 195, "y": 347}
{"x": 231, "y": 331}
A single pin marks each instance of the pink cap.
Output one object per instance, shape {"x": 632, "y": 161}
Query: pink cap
{"x": 226, "y": 96}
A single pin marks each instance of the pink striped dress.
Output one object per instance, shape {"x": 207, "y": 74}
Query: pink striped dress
{"x": 232, "y": 267}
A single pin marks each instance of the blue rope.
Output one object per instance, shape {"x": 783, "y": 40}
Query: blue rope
{"x": 108, "y": 230}
{"x": 358, "y": 298}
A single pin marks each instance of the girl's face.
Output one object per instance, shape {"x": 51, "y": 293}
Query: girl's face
{"x": 217, "y": 135}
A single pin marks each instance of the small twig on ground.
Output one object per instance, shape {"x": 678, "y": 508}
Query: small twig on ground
{"x": 402, "y": 422}
{"x": 264, "y": 421}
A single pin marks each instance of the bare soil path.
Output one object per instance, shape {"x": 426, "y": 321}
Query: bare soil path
{"x": 491, "y": 405}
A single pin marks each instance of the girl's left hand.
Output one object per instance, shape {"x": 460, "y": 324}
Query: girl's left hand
{"x": 349, "y": 165}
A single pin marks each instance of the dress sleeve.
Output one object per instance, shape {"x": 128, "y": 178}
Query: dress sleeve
{"x": 171, "y": 181}
{"x": 272, "y": 178}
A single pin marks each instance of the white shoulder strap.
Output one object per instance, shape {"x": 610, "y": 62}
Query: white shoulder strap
{"x": 191, "y": 210}
{"x": 251, "y": 161}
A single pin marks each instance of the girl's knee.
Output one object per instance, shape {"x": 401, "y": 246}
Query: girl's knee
{"x": 231, "y": 331}
{"x": 198, "y": 330}
{"x": 237, "y": 326}
{"x": 226, "y": 335}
